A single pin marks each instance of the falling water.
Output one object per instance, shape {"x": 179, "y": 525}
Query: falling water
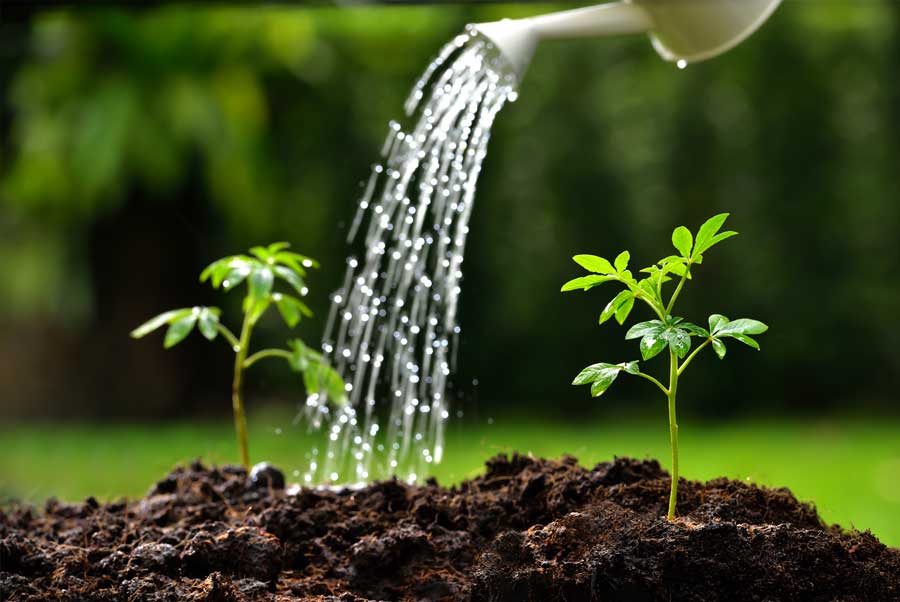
{"x": 392, "y": 330}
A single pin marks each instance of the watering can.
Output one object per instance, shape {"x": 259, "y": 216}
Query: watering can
{"x": 682, "y": 31}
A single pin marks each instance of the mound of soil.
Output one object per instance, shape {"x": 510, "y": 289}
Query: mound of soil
{"x": 528, "y": 530}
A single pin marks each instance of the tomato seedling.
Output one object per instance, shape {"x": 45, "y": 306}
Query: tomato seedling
{"x": 260, "y": 270}
{"x": 668, "y": 331}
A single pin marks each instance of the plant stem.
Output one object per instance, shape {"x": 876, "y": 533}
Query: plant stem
{"x": 237, "y": 394}
{"x": 654, "y": 381}
{"x": 678, "y": 290}
{"x": 229, "y": 336}
{"x": 684, "y": 364}
{"x": 264, "y": 354}
{"x": 673, "y": 432}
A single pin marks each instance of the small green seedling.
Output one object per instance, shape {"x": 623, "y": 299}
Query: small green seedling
{"x": 667, "y": 331}
{"x": 261, "y": 271}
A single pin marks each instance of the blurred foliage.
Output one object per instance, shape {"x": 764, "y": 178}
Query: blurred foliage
{"x": 138, "y": 137}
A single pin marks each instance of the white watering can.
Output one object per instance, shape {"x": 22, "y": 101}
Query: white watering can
{"x": 683, "y": 31}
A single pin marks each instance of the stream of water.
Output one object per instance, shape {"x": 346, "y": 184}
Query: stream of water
{"x": 392, "y": 329}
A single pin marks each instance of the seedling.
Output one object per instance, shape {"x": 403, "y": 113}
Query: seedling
{"x": 668, "y": 331}
{"x": 261, "y": 271}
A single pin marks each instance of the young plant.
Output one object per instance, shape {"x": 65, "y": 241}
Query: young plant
{"x": 261, "y": 271}
{"x": 668, "y": 331}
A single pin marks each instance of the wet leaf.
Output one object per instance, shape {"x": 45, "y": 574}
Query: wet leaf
{"x": 716, "y": 321}
{"x": 719, "y": 348}
{"x": 651, "y": 345}
{"x": 643, "y": 329}
{"x": 208, "y": 322}
{"x": 599, "y": 376}
{"x": 261, "y": 280}
{"x": 678, "y": 339}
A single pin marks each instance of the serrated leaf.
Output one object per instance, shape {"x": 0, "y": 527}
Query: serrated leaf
{"x": 683, "y": 240}
{"x": 719, "y": 347}
{"x": 613, "y": 306}
{"x": 160, "y": 320}
{"x": 651, "y": 345}
{"x": 593, "y": 263}
{"x": 643, "y": 329}
{"x": 179, "y": 329}
{"x": 716, "y": 321}
{"x": 208, "y": 322}
{"x": 621, "y": 262}
{"x": 625, "y": 309}
{"x": 584, "y": 282}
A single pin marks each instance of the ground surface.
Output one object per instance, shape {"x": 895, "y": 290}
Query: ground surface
{"x": 848, "y": 466}
{"x": 527, "y": 530}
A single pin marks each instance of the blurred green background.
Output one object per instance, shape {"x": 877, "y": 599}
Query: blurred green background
{"x": 136, "y": 146}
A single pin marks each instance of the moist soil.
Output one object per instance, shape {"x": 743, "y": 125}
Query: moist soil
{"x": 527, "y": 530}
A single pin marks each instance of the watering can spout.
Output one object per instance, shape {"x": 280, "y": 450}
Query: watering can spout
{"x": 681, "y": 30}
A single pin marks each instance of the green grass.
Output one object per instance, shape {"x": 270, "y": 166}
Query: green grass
{"x": 850, "y": 469}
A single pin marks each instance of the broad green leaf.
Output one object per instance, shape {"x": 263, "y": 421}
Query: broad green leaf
{"x": 683, "y": 240}
{"x": 745, "y": 340}
{"x": 234, "y": 278}
{"x": 291, "y": 308}
{"x": 742, "y": 326}
{"x": 719, "y": 348}
{"x": 643, "y": 329}
{"x": 292, "y": 278}
{"x": 601, "y": 376}
{"x": 678, "y": 339}
{"x": 208, "y": 321}
{"x": 613, "y": 306}
{"x": 695, "y": 330}
{"x": 621, "y": 262}
{"x": 179, "y": 329}
{"x": 593, "y": 263}
{"x": 647, "y": 286}
{"x": 625, "y": 309}
{"x": 262, "y": 253}
{"x": 585, "y": 282}
{"x": 716, "y": 321}
{"x": 631, "y": 368}
{"x": 261, "y": 280}
{"x": 160, "y": 320}
{"x": 707, "y": 235}
{"x": 651, "y": 345}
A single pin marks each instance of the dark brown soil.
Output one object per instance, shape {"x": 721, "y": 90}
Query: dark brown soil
{"x": 528, "y": 530}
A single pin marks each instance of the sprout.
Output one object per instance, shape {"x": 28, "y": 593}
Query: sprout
{"x": 260, "y": 270}
{"x": 668, "y": 331}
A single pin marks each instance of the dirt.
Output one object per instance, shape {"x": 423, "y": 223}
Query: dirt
{"x": 527, "y": 530}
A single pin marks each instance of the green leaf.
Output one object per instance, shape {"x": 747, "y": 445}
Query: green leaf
{"x": 291, "y": 308}
{"x": 292, "y": 278}
{"x": 695, "y": 330}
{"x": 234, "y": 278}
{"x": 643, "y": 329}
{"x": 631, "y": 368}
{"x": 719, "y": 348}
{"x": 716, "y": 321}
{"x": 585, "y": 282}
{"x": 208, "y": 322}
{"x": 262, "y": 253}
{"x": 179, "y": 329}
{"x": 625, "y": 309}
{"x": 678, "y": 339}
{"x": 261, "y": 280}
{"x": 275, "y": 247}
{"x": 160, "y": 320}
{"x": 593, "y": 263}
{"x": 291, "y": 258}
{"x": 741, "y": 326}
{"x": 621, "y": 262}
{"x": 708, "y": 235}
{"x": 745, "y": 340}
{"x": 613, "y": 306}
{"x": 299, "y": 360}
{"x": 600, "y": 376}
{"x": 651, "y": 345}
{"x": 683, "y": 241}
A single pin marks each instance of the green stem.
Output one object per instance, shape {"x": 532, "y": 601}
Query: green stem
{"x": 229, "y": 336}
{"x": 690, "y": 358}
{"x": 673, "y": 432}
{"x": 264, "y": 354}
{"x": 678, "y": 288}
{"x": 654, "y": 381}
{"x": 237, "y": 394}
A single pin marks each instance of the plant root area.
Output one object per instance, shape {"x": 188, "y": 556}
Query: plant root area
{"x": 527, "y": 530}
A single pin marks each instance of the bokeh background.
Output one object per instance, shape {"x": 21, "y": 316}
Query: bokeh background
{"x": 138, "y": 145}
